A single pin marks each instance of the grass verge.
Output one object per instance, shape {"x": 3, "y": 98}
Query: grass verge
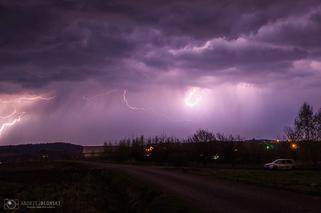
{"x": 304, "y": 181}
{"x": 81, "y": 188}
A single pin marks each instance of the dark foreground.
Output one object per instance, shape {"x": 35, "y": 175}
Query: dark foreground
{"x": 77, "y": 187}
{"x": 102, "y": 187}
{"x": 212, "y": 195}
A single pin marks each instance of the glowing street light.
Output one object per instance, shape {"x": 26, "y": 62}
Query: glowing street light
{"x": 215, "y": 157}
{"x": 268, "y": 147}
{"x": 294, "y": 146}
{"x": 148, "y": 151}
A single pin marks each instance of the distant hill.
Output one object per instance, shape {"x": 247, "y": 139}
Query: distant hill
{"x": 52, "y": 151}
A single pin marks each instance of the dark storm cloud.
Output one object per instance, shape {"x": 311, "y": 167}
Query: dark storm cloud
{"x": 250, "y": 56}
{"x": 47, "y": 41}
{"x": 41, "y": 44}
{"x": 301, "y": 32}
{"x": 247, "y": 57}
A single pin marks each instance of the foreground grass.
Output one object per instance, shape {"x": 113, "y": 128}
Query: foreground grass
{"x": 82, "y": 189}
{"x": 304, "y": 181}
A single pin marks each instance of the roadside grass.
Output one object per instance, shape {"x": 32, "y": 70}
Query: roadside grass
{"x": 81, "y": 188}
{"x": 304, "y": 181}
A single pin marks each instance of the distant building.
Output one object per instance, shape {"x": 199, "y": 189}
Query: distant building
{"x": 93, "y": 151}
{"x": 99, "y": 151}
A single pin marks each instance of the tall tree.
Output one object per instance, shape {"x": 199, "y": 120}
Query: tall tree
{"x": 317, "y": 121}
{"x": 304, "y": 123}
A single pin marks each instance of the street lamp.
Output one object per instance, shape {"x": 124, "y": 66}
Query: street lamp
{"x": 294, "y": 146}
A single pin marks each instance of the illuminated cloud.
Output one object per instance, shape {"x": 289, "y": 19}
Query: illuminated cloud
{"x": 74, "y": 59}
{"x": 193, "y": 97}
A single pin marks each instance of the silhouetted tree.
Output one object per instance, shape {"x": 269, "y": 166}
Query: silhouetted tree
{"x": 317, "y": 122}
{"x": 123, "y": 151}
{"x": 202, "y": 135}
{"x": 137, "y": 148}
{"x": 291, "y": 134}
{"x": 221, "y": 137}
{"x": 304, "y": 123}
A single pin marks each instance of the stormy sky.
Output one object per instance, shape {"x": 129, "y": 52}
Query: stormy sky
{"x": 90, "y": 71}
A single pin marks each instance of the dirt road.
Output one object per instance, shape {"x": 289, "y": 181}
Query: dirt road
{"x": 212, "y": 195}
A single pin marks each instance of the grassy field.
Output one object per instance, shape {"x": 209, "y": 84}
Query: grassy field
{"x": 82, "y": 189}
{"x": 304, "y": 181}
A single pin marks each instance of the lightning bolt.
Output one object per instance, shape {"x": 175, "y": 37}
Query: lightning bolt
{"x": 130, "y": 106}
{"x": 10, "y": 115}
{"x": 189, "y": 101}
{"x": 11, "y": 123}
{"x": 18, "y": 102}
{"x": 151, "y": 111}
{"x": 35, "y": 98}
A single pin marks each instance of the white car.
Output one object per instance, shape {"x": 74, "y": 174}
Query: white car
{"x": 281, "y": 164}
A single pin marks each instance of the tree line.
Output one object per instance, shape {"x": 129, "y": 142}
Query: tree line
{"x": 205, "y": 147}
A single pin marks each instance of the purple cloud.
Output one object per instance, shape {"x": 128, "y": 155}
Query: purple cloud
{"x": 255, "y": 63}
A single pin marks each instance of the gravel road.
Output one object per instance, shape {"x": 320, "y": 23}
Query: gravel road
{"x": 212, "y": 195}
